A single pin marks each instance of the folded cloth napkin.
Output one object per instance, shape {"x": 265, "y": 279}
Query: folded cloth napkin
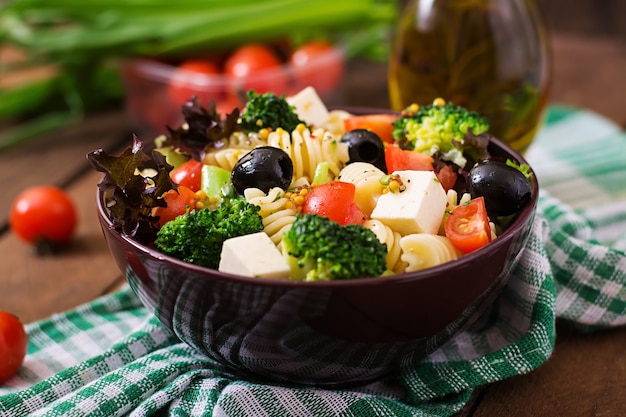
{"x": 111, "y": 357}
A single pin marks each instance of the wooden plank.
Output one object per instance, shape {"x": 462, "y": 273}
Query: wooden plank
{"x": 35, "y": 287}
{"x": 589, "y": 73}
{"x": 586, "y": 376}
{"x": 58, "y": 157}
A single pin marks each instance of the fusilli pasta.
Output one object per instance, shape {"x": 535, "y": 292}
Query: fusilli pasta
{"x": 277, "y": 217}
{"x": 366, "y": 178}
{"x": 424, "y": 250}
{"x": 392, "y": 239}
{"x": 307, "y": 149}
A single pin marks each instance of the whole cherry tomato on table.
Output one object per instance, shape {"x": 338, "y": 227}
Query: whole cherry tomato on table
{"x": 13, "y": 345}
{"x": 43, "y": 215}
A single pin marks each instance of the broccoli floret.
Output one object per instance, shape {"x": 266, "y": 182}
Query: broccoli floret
{"x": 198, "y": 235}
{"x": 438, "y": 128}
{"x": 319, "y": 249}
{"x": 268, "y": 111}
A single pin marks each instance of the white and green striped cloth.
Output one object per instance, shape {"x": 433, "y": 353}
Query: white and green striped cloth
{"x": 111, "y": 357}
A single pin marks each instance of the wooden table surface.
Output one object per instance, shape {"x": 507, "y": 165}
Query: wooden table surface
{"x": 586, "y": 376}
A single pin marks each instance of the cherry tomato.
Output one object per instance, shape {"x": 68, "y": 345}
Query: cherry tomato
{"x": 178, "y": 202}
{"x": 398, "y": 159}
{"x": 381, "y": 124}
{"x": 256, "y": 67}
{"x": 319, "y": 64}
{"x": 195, "y": 77}
{"x": 13, "y": 344}
{"x": 467, "y": 226}
{"x": 43, "y": 215}
{"x": 334, "y": 200}
{"x": 188, "y": 174}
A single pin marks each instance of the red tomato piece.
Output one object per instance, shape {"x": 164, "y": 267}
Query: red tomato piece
{"x": 468, "y": 227}
{"x": 178, "y": 202}
{"x": 381, "y": 124}
{"x": 255, "y": 67}
{"x": 447, "y": 177}
{"x": 334, "y": 200}
{"x": 43, "y": 214}
{"x": 398, "y": 159}
{"x": 13, "y": 345}
{"x": 319, "y": 64}
{"x": 188, "y": 174}
{"x": 199, "y": 78}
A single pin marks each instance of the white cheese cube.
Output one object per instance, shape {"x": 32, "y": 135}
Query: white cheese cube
{"x": 253, "y": 255}
{"x": 309, "y": 107}
{"x": 417, "y": 209}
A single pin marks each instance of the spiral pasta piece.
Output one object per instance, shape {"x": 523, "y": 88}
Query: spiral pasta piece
{"x": 366, "y": 179}
{"x": 424, "y": 250}
{"x": 243, "y": 140}
{"x": 392, "y": 239}
{"x": 454, "y": 201}
{"x": 225, "y": 158}
{"x": 307, "y": 149}
{"x": 277, "y": 216}
{"x": 335, "y": 122}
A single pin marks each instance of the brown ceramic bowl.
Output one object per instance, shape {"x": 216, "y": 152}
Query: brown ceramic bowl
{"x": 322, "y": 333}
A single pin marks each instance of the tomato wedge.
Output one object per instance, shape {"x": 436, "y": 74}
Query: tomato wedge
{"x": 178, "y": 202}
{"x": 188, "y": 174}
{"x": 447, "y": 177}
{"x": 381, "y": 124}
{"x": 398, "y": 159}
{"x": 334, "y": 200}
{"x": 468, "y": 227}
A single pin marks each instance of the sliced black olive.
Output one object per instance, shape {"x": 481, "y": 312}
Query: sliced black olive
{"x": 365, "y": 146}
{"x": 264, "y": 168}
{"x": 505, "y": 189}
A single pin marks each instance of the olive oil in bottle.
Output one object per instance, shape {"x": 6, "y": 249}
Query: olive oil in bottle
{"x": 491, "y": 56}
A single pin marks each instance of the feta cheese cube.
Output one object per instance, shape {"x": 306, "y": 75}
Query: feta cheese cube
{"x": 417, "y": 209}
{"x": 253, "y": 255}
{"x": 309, "y": 106}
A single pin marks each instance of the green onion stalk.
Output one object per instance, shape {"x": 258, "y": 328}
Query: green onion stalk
{"x": 83, "y": 44}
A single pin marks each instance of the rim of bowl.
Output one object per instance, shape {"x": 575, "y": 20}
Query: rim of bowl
{"x": 434, "y": 271}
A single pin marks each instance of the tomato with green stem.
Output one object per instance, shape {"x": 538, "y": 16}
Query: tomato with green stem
{"x": 13, "y": 345}
{"x": 468, "y": 226}
{"x": 335, "y": 200}
{"x": 44, "y": 216}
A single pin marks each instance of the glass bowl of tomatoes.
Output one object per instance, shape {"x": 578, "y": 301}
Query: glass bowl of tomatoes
{"x": 155, "y": 89}
{"x": 325, "y": 333}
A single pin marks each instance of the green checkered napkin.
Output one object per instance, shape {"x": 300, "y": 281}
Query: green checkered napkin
{"x": 111, "y": 357}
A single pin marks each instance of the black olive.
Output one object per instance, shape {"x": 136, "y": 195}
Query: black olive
{"x": 264, "y": 168}
{"x": 365, "y": 146}
{"x": 505, "y": 189}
